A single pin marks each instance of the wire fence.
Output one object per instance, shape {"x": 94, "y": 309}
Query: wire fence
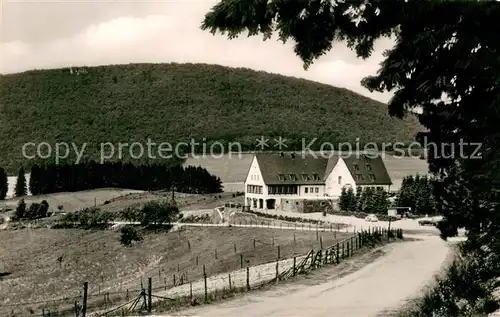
{"x": 259, "y": 247}
{"x": 194, "y": 282}
{"x": 191, "y": 288}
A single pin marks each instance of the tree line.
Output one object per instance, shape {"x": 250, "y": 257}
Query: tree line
{"x": 53, "y": 178}
{"x": 369, "y": 200}
{"x": 417, "y": 192}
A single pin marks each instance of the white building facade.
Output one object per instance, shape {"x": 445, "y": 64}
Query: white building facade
{"x": 278, "y": 181}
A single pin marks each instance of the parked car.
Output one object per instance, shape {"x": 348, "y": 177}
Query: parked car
{"x": 427, "y": 222}
{"x": 371, "y": 218}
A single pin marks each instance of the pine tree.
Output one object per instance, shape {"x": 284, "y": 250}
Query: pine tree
{"x": 35, "y": 180}
{"x": 351, "y": 199}
{"x": 21, "y": 189}
{"x": 358, "y": 199}
{"x": 4, "y": 184}
{"x": 343, "y": 200}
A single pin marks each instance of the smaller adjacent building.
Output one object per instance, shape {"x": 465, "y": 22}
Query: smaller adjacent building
{"x": 295, "y": 182}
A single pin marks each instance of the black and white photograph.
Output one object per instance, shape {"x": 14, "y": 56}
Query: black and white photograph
{"x": 253, "y": 158}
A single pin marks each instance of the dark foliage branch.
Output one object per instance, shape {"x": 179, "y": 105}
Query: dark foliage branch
{"x": 446, "y": 59}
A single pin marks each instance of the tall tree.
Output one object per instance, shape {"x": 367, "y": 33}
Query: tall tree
{"x": 4, "y": 184}
{"x": 446, "y": 63}
{"x": 35, "y": 183}
{"x": 21, "y": 189}
{"x": 343, "y": 200}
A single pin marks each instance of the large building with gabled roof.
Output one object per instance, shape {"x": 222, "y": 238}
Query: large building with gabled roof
{"x": 279, "y": 181}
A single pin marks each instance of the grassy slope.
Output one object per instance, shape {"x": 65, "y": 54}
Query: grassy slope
{"x": 30, "y": 255}
{"x": 172, "y": 102}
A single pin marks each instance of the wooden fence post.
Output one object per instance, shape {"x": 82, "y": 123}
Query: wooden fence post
{"x": 294, "y": 263}
{"x": 277, "y": 270}
{"x": 205, "y": 280}
{"x": 294, "y": 237}
{"x": 230, "y": 284}
{"x": 321, "y": 242}
{"x": 191, "y": 291}
{"x": 150, "y": 291}
{"x": 337, "y": 253}
{"x": 84, "y": 306}
{"x": 216, "y": 254}
{"x": 248, "y": 278}
{"x": 241, "y": 260}
{"x": 279, "y": 252}
{"x": 254, "y": 244}
{"x": 234, "y": 247}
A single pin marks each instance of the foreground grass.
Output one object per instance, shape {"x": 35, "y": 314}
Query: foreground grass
{"x": 48, "y": 264}
{"x": 464, "y": 289}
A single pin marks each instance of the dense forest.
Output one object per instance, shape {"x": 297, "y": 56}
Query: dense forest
{"x": 52, "y": 178}
{"x": 177, "y": 102}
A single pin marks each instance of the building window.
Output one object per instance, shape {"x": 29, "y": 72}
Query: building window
{"x": 304, "y": 177}
{"x": 356, "y": 167}
{"x": 368, "y": 167}
{"x": 372, "y": 177}
{"x": 305, "y": 190}
{"x": 311, "y": 190}
{"x": 253, "y": 189}
{"x": 380, "y": 188}
{"x": 340, "y": 180}
{"x": 293, "y": 177}
{"x": 359, "y": 177}
{"x": 281, "y": 177}
{"x": 316, "y": 177}
{"x": 316, "y": 190}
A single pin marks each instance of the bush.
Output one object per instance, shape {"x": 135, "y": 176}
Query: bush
{"x": 153, "y": 213}
{"x": 20, "y": 210}
{"x": 128, "y": 235}
{"x": 87, "y": 218}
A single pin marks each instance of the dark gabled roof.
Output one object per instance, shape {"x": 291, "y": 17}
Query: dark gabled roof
{"x": 272, "y": 165}
{"x": 371, "y": 169}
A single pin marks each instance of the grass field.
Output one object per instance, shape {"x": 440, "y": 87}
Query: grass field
{"x": 72, "y": 201}
{"x": 32, "y": 273}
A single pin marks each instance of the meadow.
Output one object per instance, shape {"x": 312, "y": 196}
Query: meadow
{"x": 46, "y": 268}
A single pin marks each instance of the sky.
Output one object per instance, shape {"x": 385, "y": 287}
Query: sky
{"x": 38, "y": 34}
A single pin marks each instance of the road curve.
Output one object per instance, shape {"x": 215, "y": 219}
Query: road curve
{"x": 382, "y": 285}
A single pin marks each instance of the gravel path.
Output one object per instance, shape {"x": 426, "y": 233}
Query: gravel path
{"x": 379, "y": 286}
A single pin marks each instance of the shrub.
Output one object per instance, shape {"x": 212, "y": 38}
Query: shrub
{"x": 87, "y": 218}
{"x": 60, "y": 207}
{"x": 128, "y": 235}
{"x": 20, "y": 210}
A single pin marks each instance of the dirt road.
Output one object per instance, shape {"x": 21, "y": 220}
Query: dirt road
{"x": 380, "y": 286}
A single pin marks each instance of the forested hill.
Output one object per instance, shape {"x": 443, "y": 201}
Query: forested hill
{"x": 176, "y": 102}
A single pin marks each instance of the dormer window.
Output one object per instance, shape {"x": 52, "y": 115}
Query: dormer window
{"x": 356, "y": 167}
{"x": 368, "y": 167}
{"x": 281, "y": 177}
{"x": 304, "y": 177}
{"x": 293, "y": 177}
{"x": 372, "y": 177}
{"x": 359, "y": 177}
{"x": 316, "y": 177}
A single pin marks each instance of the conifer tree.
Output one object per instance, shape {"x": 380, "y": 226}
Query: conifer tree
{"x": 4, "y": 184}
{"x": 20, "y": 189}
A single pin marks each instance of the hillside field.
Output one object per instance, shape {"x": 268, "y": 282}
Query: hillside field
{"x": 31, "y": 273}
{"x": 178, "y": 102}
